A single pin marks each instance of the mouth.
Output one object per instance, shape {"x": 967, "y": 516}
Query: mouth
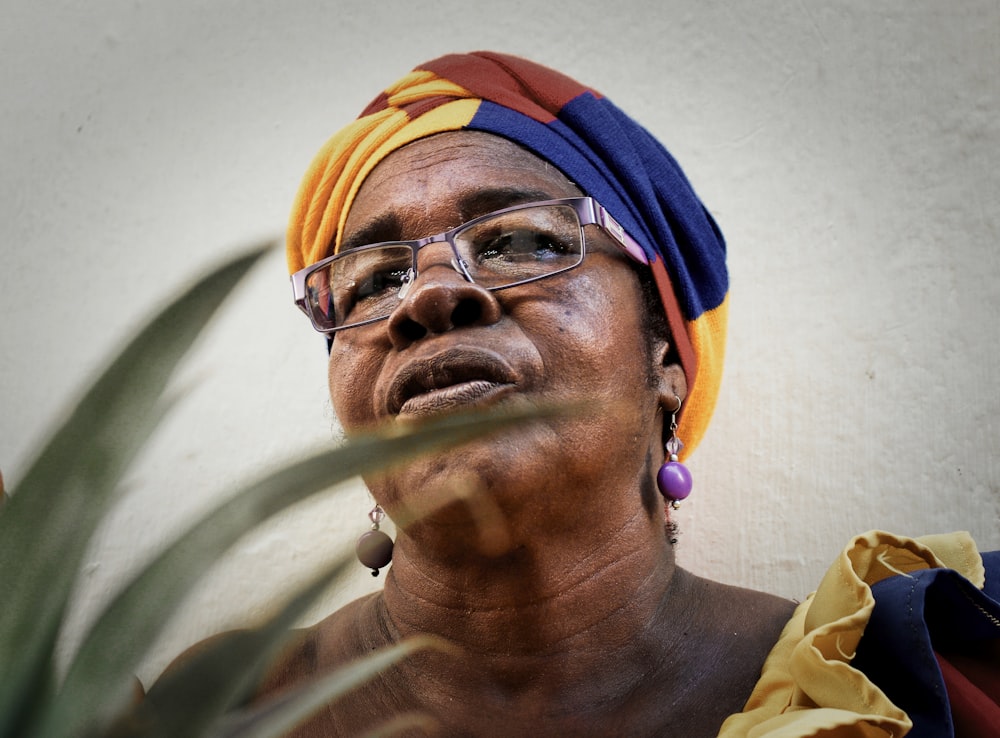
{"x": 450, "y": 380}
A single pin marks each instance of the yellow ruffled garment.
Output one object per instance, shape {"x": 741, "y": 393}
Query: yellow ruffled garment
{"x": 808, "y": 689}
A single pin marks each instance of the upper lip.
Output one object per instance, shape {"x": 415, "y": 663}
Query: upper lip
{"x": 446, "y": 369}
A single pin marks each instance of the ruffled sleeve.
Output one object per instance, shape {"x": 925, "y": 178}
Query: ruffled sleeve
{"x": 808, "y": 687}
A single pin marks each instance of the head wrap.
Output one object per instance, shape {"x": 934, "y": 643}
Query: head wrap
{"x": 604, "y": 152}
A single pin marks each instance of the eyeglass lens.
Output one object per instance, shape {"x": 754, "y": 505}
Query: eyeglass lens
{"x": 497, "y": 250}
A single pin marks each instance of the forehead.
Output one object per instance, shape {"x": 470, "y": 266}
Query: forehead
{"x": 439, "y": 182}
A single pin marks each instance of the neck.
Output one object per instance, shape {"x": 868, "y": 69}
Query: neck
{"x": 559, "y": 607}
{"x": 555, "y": 638}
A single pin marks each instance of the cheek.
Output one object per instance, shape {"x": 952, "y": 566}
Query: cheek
{"x": 351, "y": 372}
{"x": 590, "y": 339}
{"x": 595, "y": 332}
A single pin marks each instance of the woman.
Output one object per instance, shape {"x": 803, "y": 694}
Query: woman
{"x": 574, "y": 265}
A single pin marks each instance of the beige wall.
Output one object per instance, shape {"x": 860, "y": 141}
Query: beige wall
{"x": 848, "y": 149}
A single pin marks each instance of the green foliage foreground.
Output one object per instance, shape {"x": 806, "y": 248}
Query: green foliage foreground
{"x": 49, "y": 520}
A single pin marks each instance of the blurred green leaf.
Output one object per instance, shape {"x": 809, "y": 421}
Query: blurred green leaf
{"x": 280, "y": 714}
{"x": 194, "y": 692}
{"x": 406, "y": 722}
{"x": 97, "y": 682}
{"x": 46, "y": 525}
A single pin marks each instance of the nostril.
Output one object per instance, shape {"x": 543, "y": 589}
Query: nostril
{"x": 466, "y": 312}
{"x": 411, "y": 330}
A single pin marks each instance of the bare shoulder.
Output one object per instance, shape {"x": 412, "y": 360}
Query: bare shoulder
{"x": 762, "y": 608}
{"x": 344, "y": 635}
{"x": 731, "y": 631}
{"x": 742, "y": 624}
{"x": 754, "y": 618}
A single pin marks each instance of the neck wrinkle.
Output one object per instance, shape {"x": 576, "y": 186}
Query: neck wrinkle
{"x": 530, "y": 619}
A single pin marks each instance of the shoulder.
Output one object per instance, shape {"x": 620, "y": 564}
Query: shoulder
{"x": 343, "y": 636}
{"x": 751, "y": 616}
{"x": 731, "y": 627}
{"x": 747, "y": 624}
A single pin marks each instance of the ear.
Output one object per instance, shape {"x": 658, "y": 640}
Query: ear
{"x": 670, "y": 379}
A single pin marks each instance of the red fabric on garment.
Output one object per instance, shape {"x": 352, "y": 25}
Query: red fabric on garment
{"x": 973, "y": 685}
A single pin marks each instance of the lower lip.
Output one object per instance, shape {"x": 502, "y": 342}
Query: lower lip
{"x": 455, "y": 397}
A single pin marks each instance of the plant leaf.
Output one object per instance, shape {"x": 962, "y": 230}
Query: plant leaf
{"x": 277, "y": 716}
{"x": 194, "y": 692}
{"x": 405, "y": 722}
{"x": 49, "y": 520}
{"x": 97, "y": 683}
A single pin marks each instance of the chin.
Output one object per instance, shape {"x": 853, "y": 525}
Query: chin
{"x": 482, "y": 482}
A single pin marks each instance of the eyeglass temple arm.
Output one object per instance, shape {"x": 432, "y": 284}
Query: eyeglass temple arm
{"x": 675, "y": 317}
{"x": 625, "y": 241}
{"x": 298, "y": 280}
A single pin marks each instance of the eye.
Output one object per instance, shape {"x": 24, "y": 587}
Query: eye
{"x": 377, "y": 284}
{"x": 366, "y": 282}
{"x": 518, "y": 245}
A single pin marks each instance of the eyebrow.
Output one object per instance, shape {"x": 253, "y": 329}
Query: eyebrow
{"x": 384, "y": 227}
{"x": 388, "y": 227}
{"x": 489, "y": 199}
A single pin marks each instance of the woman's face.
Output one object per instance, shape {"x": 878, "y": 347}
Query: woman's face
{"x": 449, "y": 345}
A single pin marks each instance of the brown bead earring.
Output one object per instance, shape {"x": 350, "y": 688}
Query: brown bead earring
{"x": 375, "y": 547}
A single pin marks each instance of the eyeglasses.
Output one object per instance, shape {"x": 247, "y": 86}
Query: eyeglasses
{"x": 499, "y": 250}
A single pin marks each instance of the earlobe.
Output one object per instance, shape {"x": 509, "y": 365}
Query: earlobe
{"x": 671, "y": 381}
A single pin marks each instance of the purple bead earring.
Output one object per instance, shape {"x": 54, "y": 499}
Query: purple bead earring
{"x": 674, "y": 479}
{"x": 375, "y": 547}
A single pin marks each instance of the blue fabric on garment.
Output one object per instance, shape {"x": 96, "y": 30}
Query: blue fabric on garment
{"x": 914, "y": 615}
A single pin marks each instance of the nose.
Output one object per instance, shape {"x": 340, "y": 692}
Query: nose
{"x": 440, "y": 300}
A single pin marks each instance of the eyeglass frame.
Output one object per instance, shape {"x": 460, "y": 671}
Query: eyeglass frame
{"x": 588, "y": 212}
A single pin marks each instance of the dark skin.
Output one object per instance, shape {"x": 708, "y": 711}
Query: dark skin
{"x": 572, "y": 617}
